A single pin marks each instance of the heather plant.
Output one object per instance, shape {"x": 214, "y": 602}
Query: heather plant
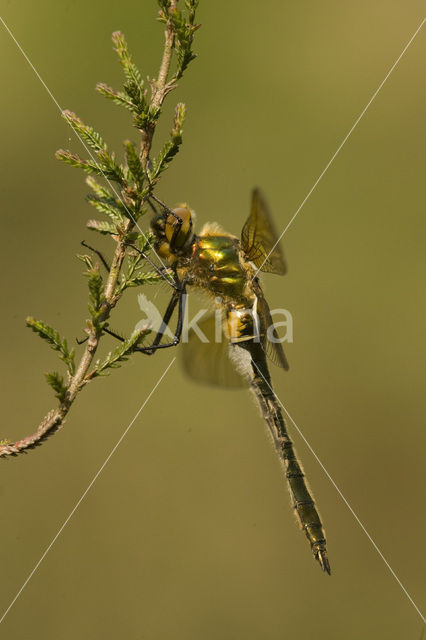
{"x": 120, "y": 191}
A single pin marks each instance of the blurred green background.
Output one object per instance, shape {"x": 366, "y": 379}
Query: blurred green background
{"x": 188, "y": 533}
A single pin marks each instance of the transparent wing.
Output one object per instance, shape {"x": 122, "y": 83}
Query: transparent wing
{"x": 259, "y": 238}
{"x": 270, "y": 341}
{"x": 208, "y": 362}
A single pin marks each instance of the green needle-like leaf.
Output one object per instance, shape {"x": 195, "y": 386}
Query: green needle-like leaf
{"x": 96, "y": 295}
{"x": 112, "y": 208}
{"x": 134, "y": 163}
{"x": 119, "y": 97}
{"x": 131, "y": 71}
{"x": 121, "y": 353}
{"x": 53, "y": 338}
{"x": 86, "y": 133}
{"x": 102, "y": 226}
{"x": 57, "y": 383}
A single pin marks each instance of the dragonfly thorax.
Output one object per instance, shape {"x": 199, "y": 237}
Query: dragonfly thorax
{"x": 216, "y": 265}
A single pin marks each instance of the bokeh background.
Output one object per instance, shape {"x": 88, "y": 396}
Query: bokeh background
{"x": 188, "y": 533}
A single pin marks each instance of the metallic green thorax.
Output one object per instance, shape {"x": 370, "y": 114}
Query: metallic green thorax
{"x": 216, "y": 265}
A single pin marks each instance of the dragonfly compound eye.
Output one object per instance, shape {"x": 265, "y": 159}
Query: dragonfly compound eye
{"x": 179, "y": 228}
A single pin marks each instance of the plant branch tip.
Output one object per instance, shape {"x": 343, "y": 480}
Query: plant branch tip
{"x": 123, "y": 199}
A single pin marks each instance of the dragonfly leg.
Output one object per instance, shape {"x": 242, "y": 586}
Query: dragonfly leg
{"x": 98, "y": 253}
{"x": 179, "y": 296}
{"x": 158, "y": 270}
{"x": 152, "y": 206}
{"x": 113, "y": 334}
{"x": 163, "y": 205}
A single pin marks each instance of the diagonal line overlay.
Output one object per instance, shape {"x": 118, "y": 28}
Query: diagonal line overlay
{"x": 84, "y": 494}
{"x": 335, "y": 154}
{"x": 343, "y": 498}
{"x": 114, "y": 190}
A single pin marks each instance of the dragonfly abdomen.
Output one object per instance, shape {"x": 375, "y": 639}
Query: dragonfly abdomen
{"x": 303, "y": 502}
{"x": 302, "y": 499}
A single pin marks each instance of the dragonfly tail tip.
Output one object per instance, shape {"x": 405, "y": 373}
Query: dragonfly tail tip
{"x": 321, "y": 556}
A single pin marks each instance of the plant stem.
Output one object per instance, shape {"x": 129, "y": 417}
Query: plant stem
{"x": 159, "y": 89}
{"x": 55, "y": 418}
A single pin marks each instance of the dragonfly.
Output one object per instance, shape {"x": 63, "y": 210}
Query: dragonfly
{"x": 226, "y": 268}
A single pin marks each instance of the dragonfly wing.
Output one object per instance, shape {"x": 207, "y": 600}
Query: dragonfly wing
{"x": 270, "y": 340}
{"x": 209, "y": 362}
{"x": 259, "y": 239}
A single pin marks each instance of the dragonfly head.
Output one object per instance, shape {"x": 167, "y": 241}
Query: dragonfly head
{"x": 178, "y": 230}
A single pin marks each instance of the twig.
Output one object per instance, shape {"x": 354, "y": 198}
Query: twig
{"x": 159, "y": 88}
{"x": 122, "y": 211}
